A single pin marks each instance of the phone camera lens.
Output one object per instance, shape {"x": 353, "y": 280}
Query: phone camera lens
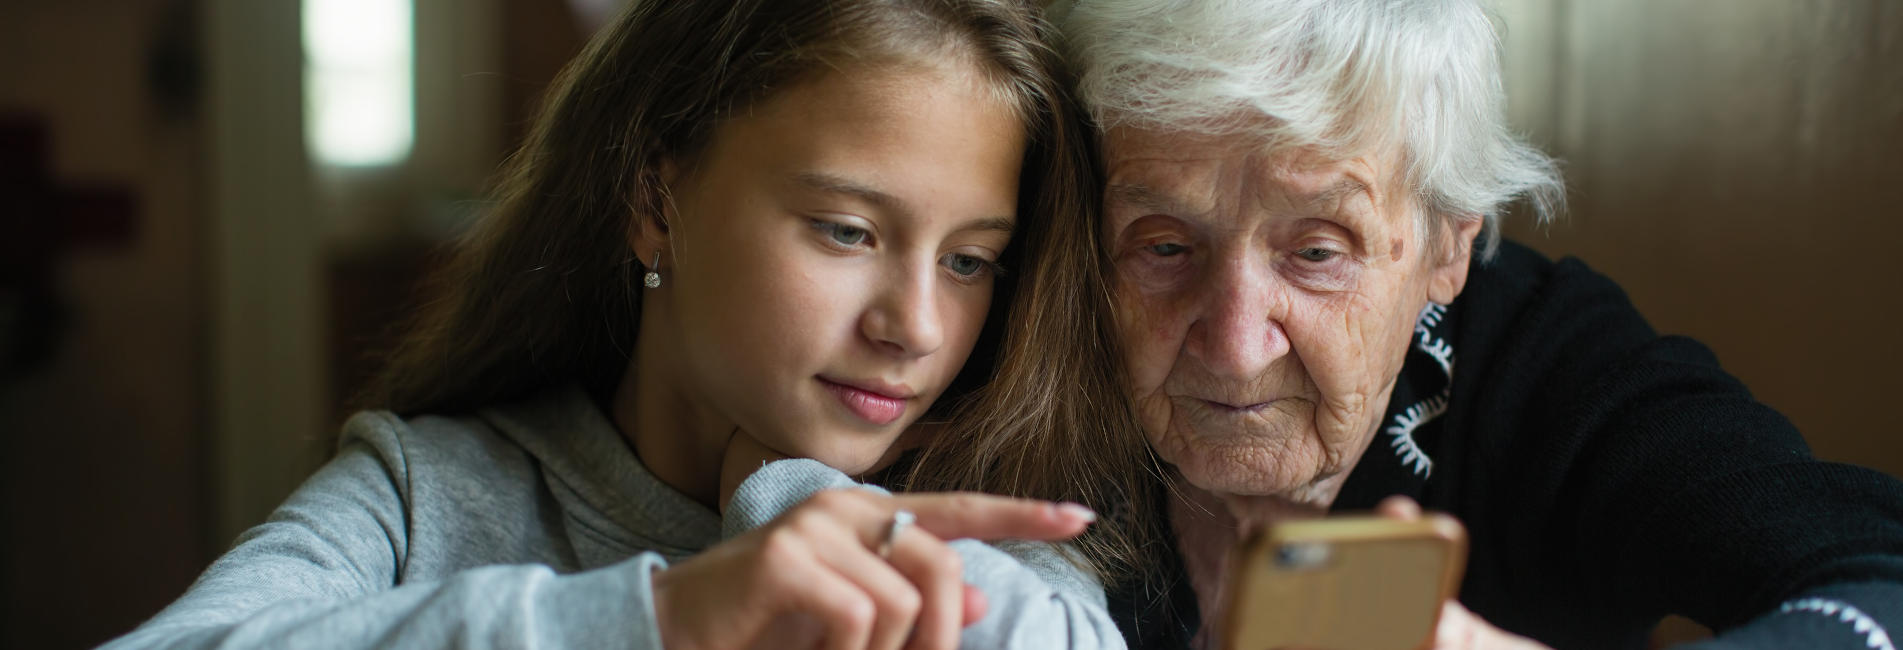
{"x": 1301, "y": 556}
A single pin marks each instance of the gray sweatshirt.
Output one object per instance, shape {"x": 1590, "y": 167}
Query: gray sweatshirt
{"x": 532, "y": 525}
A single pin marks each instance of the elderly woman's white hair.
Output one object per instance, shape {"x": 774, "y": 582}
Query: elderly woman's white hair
{"x": 1344, "y": 76}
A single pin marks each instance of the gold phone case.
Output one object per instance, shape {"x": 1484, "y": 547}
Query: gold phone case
{"x": 1343, "y": 583}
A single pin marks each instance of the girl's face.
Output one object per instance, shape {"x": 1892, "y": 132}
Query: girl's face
{"x": 830, "y": 257}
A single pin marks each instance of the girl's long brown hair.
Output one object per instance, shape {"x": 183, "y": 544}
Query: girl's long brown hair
{"x": 1054, "y": 420}
{"x": 543, "y": 291}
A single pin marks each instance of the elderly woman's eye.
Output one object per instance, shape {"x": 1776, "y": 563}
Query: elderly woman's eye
{"x": 1167, "y": 249}
{"x": 1313, "y": 254}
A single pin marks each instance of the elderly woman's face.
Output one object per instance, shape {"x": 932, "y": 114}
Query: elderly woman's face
{"x": 1266, "y": 301}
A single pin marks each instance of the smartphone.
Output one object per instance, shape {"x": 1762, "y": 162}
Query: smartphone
{"x": 1343, "y": 583}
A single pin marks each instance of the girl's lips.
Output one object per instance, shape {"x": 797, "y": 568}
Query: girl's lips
{"x": 872, "y": 407}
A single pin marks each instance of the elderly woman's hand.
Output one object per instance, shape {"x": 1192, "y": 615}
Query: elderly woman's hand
{"x": 1459, "y": 629}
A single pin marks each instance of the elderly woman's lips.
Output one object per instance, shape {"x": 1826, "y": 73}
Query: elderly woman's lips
{"x": 1209, "y": 420}
{"x": 1227, "y": 407}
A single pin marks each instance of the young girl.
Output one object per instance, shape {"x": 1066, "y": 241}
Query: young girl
{"x": 742, "y": 232}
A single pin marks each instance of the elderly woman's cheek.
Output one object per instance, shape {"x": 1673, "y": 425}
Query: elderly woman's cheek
{"x": 1153, "y": 298}
{"x": 1346, "y": 353}
{"x": 1143, "y": 324}
{"x": 1148, "y": 359}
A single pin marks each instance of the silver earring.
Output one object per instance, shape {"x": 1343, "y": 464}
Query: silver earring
{"x": 653, "y": 278}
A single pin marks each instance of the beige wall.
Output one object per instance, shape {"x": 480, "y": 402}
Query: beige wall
{"x": 190, "y": 393}
{"x": 101, "y": 451}
{"x": 268, "y": 425}
{"x": 1737, "y": 165}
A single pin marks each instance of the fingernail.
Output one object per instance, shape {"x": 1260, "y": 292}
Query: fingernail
{"x": 1078, "y": 511}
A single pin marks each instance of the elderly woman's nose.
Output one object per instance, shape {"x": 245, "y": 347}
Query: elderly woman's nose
{"x": 1239, "y": 332}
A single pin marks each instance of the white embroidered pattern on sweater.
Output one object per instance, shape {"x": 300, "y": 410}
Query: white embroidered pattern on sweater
{"x": 1874, "y": 636}
{"x": 1424, "y": 411}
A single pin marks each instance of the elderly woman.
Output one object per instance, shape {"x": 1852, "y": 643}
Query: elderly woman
{"x": 1302, "y": 218}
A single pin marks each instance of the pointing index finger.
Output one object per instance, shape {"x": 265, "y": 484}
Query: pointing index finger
{"x": 987, "y": 517}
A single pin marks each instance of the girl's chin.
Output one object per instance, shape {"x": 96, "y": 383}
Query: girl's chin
{"x": 852, "y": 459}
{"x": 851, "y": 446}
{"x": 855, "y": 466}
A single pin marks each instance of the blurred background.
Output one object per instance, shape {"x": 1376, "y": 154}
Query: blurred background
{"x": 211, "y": 211}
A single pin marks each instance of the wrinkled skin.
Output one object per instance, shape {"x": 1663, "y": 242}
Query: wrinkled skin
{"x": 1266, "y": 301}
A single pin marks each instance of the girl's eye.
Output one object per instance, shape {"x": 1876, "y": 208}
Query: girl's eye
{"x": 842, "y": 234}
{"x": 965, "y": 265}
{"x": 1314, "y": 254}
{"x": 1167, "y": 249}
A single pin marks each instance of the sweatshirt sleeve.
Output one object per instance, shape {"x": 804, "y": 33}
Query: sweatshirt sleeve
{"x": 323, "y": 572}
{"x": 1036, "y": 597}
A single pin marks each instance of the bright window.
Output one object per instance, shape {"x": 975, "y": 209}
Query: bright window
{"x": 359, "y": 70}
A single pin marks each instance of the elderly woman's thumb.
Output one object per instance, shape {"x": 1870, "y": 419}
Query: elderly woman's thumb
{"x": 1460, "y": 629}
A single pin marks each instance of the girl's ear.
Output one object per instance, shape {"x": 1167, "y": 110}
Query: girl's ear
{"x": 648, "y": 230}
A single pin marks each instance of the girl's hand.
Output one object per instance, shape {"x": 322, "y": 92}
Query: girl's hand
{"x": 1458, "y": 629}
{"x": 815, "y": 570}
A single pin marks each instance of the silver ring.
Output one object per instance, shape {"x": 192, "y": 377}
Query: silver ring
{"x": 900, "y": 519}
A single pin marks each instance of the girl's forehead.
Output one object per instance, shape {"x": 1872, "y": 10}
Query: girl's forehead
{"x": 901, "y": 140}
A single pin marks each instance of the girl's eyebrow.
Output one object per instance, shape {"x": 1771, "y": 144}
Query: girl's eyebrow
{"x": 833, "y": 184}
{"x": 992, "y": 224}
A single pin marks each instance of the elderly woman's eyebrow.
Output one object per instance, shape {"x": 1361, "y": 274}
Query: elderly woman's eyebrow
{"x": 1336, "y": 192}
{"x": 1138, "y": 195}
